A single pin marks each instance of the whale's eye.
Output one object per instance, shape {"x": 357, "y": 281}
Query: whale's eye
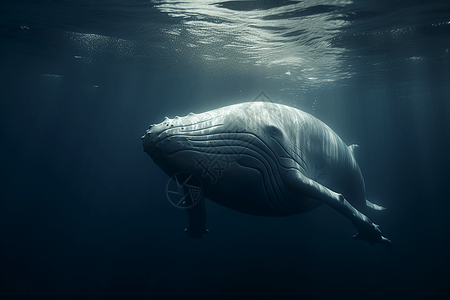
{"x": 273, "y": 130}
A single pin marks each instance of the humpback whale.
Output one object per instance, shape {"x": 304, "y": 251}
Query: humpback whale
{"x": 263, "y": 159}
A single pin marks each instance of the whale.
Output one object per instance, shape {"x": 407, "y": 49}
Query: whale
{"x": 264, "y": 159}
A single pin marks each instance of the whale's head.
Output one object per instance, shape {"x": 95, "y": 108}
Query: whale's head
{"x": 174, "y": 143}
{"x": 202, "y": 141}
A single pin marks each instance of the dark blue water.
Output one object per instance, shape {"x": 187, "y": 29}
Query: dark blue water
{"x": 84, "y": 213}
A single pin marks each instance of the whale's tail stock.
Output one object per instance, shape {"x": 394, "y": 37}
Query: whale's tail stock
{"x": 374, "y": 206}
{"x": 354, "y": 149}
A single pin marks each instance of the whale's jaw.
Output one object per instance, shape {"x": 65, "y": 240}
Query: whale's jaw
{"x": 177, "y": 134}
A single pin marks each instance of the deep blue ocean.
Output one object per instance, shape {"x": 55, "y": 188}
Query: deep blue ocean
{"x": 84, "y": 212}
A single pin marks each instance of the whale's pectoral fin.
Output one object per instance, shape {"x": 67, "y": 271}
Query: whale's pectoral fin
{"x": 196, "y": 217}
{"x": 371, "y": 233}
{"x": 303, "y": 186}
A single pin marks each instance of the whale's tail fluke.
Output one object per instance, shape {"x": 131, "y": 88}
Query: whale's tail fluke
{"x": 374, "y": 206}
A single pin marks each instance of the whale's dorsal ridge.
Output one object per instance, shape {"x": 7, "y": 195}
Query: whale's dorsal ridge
{"x": 353, "y": 149}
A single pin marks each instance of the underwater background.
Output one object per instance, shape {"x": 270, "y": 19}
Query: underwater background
{"x": 84, "y": 212}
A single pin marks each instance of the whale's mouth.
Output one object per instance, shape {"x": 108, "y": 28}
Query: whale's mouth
{"x": 176, "y": 133}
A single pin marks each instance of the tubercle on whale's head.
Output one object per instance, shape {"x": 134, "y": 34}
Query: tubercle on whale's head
{"x": 156, "y": 133}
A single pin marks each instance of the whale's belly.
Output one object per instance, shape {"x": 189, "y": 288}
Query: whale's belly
{"x": 249, "y": 185}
